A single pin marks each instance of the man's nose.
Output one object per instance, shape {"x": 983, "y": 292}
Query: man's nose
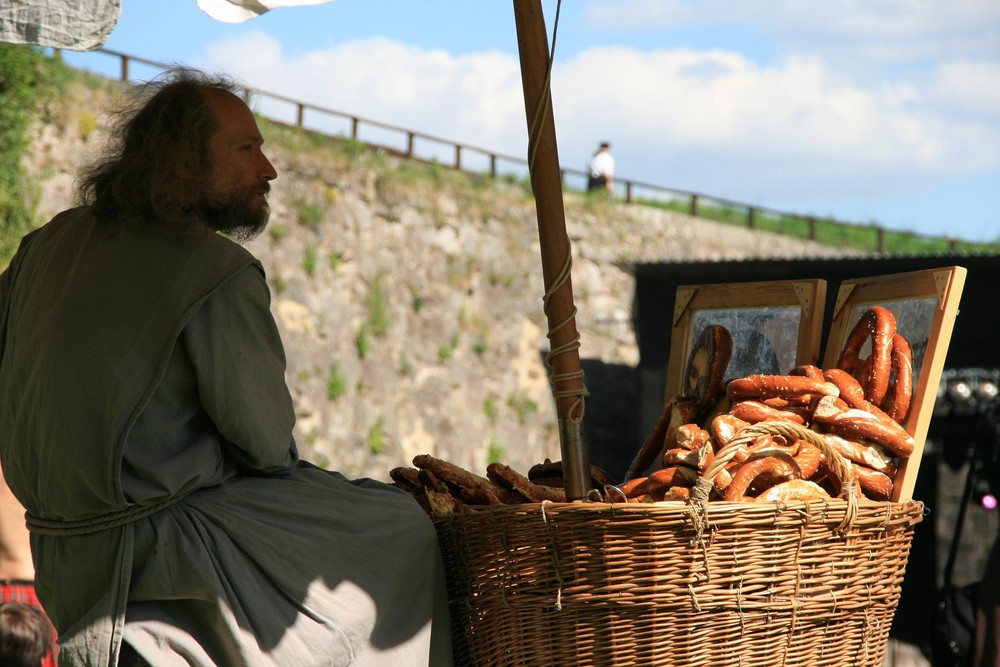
{"x": 267, "y": 171}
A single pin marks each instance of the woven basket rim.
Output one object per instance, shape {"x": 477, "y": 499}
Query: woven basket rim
{"x": 865, "y": 506}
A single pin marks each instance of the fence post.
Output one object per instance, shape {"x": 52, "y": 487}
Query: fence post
{"x": 299, "y": 114}
{"x": 458, "y": 157}
{"x": 125, "y": 68}
{"x": 409, "y": 144}
{"x": 880, "y": 232}
{"x": 354, "y": 128}
{"x": 493, "y": 165}
{"x": 751, "y": 217}
{"x": 812, "y": 228}
{"x": 694, "y": 205}
{"x": 628, "y": 192}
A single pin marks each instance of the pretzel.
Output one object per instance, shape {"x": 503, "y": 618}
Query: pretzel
{"x": 434, "y": 496}
{"x": 896, "y": 402}
{"x": 755, "y": 411}
{"x": 762, "y": 445}
{"x": 793, "y": 489}
{"x": 768, "y": 445}
{"x": 407, "y": 479}
{"x": 676, "y": 413}
{"x": 782, "y": 386}
{"x": 855, "y": 423}
{"x": 724, "y": 428}
{"x": 697, "y": 459}
{"x": 874, "y": 484}
{"x": 547, "y": 468}
{"x": 801, "y": 405}
{"x": 870, "y": 454}
{"x": 878, "y": 324}
{"x": 706, "y": 367}
{"x": 470, "y": 488}
{"x": 430, "y": 482}
{"x": 768, "y": 468}
{"x": 657, "y": 483}
{"x": 506, "y": 477}
{"x": 437, "y": 503}
{"x": 556, "y": 482}
{"x": 677, "y": 493}
{"x": 691, "y": 437}
{"x": 852, "y": 395}
{"x": 851, "y": 391}
{"x": 550, "y": 473}
{"x": 809, "y": 371}
{"x": 808, "y": 457}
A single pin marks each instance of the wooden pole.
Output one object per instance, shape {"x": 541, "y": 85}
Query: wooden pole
{"x": 546, "y": 185}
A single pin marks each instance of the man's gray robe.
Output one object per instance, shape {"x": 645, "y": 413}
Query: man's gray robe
{"x": 146, "y": 426}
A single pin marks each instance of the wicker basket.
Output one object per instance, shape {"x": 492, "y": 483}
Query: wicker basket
{"x": 677, "y": 584}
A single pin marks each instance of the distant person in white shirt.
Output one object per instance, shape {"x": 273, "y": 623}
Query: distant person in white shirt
{"x": 602, "y": 170}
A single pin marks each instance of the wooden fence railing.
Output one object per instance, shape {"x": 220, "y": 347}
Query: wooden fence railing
{"x": 805, "y": 226}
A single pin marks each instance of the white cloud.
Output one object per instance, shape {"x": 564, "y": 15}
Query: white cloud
{"x": 889, "y": 31}
{"x": 711, "y": 121}
{"x": 971, "y": 89}
{"x": 474, "y": 99}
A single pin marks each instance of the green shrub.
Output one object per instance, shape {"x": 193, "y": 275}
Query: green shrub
{"x": 352, "y": 148}
{"x": 378, "y": 310}
{"x": 88, "y": 124}
{"x": 28, "y": 79}
{"x": 363, "y": 342}
{"x": 336, "y": 384}
{"x": 376, "y": 437}
{"x": 277, "y": 231}
{"x": 334, "y": 261}
{"x": 496, "y": 453}
{"x": 309, "y": 213}
{"x": 490, "y": 410}
{"x": 309, "y": 260}
{"x": 522, "y": 406}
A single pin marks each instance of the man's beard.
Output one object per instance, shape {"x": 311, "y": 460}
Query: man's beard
{"x": 235, "y": 214}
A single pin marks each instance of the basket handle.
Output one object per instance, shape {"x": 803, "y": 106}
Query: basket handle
{"x": 791, "y": 431}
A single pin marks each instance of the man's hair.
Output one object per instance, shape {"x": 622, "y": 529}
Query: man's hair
{"x": 25, "y": 635}
{"x": 158, "y": 158}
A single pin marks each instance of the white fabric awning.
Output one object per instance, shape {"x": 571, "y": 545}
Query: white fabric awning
{"x": 238, "y": 11}
{"x": 82, "y": 25}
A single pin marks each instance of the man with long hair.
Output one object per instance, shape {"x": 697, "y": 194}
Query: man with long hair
{"x": 146, "y": 426}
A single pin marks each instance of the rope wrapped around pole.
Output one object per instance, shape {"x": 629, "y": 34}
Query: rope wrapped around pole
{"x": 546, "y": 185}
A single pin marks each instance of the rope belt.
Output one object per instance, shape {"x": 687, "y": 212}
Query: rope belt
{"x": 40, "y": 526}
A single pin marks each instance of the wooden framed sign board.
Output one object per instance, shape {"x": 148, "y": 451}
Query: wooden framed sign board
{"x": 775, "y": 325}
{"x": 925, "y": 305}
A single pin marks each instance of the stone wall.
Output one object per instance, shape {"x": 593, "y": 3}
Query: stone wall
{"x": 409, "y": 297}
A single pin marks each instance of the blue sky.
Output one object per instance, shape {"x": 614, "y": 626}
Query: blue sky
{"x": 868, "y": 111}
